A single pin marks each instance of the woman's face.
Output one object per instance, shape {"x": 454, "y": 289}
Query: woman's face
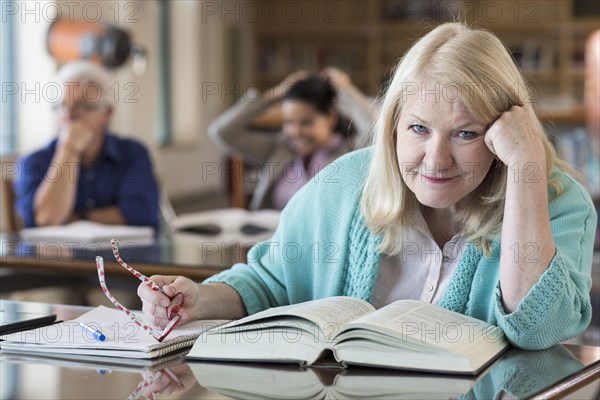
{"x": 440, "y": 147}
{"x": 305, "y": 128}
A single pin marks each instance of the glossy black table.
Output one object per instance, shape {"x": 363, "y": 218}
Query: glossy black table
{"x": 554, "y": 372}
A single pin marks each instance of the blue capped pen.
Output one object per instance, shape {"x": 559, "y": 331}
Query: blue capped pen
{"x": 96, "y": 334}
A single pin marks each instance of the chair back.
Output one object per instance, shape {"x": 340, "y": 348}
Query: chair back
{"x": 9, "y": 222}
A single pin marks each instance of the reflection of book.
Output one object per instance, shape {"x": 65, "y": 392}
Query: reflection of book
{"x": 124, "y": 339}
{"x": 80, "y": 233}
{"x": 259, "y": 381}
{"x": 89, "y": 361}
{"x": 406, "y": 334}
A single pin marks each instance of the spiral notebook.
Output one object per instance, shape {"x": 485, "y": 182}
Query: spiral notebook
{"x": 124, "y": 339}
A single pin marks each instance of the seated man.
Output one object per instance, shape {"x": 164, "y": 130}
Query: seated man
{"x": 87, "y": 172}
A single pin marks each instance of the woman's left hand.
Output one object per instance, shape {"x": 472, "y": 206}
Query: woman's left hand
{"x": 516, "y": 137}
{"x": 340, "y": 79}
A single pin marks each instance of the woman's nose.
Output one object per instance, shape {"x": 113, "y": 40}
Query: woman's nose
{"x": 438, "y": 155}
{"x": 292, "y": 130}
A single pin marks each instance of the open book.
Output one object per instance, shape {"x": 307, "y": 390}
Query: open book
{"x": 226, "y": 225}
{"x": 406, "y": 334}
{"x": 124, "y": 339}
{"x": 293, "y": 382}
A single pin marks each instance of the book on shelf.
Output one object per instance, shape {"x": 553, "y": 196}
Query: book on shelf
{"x": 123, "y": 338}
{"x": 278, "y": 58}
{"x": 575, "y": 148}
{"x": 406, "y": 334}
{"x": 295, "y": 382}
{"x": 424, "y": 10}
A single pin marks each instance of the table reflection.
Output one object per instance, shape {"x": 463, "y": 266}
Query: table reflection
{"x": 35, "y": 377}
{"x": 518, "y": 373}
{"x": 522, "y": 374}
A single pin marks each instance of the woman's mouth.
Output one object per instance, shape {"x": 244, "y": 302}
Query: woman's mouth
{"x": 438, "y": 179}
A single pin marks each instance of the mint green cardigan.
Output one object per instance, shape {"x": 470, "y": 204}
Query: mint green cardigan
{"x": 323, "y": 248}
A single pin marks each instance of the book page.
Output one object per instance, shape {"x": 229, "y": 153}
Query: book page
{"x": 228, "y": 225}
{"x": 412, "y": 321}
{"x": 328, "y": 314}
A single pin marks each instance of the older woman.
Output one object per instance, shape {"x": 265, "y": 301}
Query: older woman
{"x": 461, "y": 201}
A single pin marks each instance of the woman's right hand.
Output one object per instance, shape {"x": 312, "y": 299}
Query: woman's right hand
{"x": 276, "y": 93}
{"x": 154, "y": 303}
{"x": 177, "y": 378}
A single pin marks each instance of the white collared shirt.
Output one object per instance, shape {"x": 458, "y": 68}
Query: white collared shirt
{"x": 421, "y": 271}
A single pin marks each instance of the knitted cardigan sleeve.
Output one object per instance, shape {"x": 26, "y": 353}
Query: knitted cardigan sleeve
{"x": 558, "y": 306}
{"x": 307, "y": 256}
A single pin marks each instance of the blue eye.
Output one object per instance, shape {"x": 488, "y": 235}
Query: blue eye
{"x": 467, "y": 135}
{"x": 418, "y": 128}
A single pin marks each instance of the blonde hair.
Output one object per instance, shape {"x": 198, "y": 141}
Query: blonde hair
{"x": 477, "y": 66}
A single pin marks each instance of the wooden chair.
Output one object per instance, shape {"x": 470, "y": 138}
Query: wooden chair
{"x": 9, "y": 222}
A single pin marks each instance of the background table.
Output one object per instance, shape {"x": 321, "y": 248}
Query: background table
{"x": 34, "y": 265}
{"x": 72, "y": 269}
{"x": 172, "y": 254}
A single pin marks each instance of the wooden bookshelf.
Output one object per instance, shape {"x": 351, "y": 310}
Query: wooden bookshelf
{"x": 366, "y": 38}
